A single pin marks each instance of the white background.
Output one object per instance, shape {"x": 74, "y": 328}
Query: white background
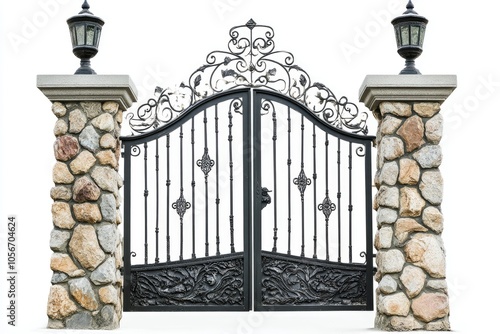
{"x": 337, "y": 43}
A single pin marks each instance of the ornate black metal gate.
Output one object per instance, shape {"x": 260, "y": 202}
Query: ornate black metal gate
{"x": 250, "y": 169}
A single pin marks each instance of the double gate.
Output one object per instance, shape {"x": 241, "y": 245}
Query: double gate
{"x": 249, "y": 187}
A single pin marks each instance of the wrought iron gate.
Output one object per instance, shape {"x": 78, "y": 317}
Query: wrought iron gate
{"x": 250, "y": 185}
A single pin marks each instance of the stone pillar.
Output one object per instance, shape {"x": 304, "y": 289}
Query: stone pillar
{"x": 412, "y": 292}
{"x": 86, "y": 291}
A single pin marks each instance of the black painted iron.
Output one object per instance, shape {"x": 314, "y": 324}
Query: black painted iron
{"x": 259, "y": 89}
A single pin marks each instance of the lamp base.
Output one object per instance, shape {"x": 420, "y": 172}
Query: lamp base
{"x": 410, "y": 67}
{"x": 85, "y": 67}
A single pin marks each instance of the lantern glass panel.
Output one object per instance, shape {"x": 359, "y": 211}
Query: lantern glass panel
{"x": 405, "y": 36}
{"x": 414, "y": 31}
{"x": 97, "y": 36}
{"x": 422, "y": 36}
{"x": 80, "y": 34}
{"x": 90, "y": 35}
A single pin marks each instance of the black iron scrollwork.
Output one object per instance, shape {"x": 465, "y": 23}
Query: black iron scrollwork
{"x": 251, "y": 61}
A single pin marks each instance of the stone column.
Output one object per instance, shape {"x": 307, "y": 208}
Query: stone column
{"x": 412, "y": 292}
{"x": 86, "y": 291}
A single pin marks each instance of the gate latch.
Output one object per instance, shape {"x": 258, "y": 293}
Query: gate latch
{"x": 266, "y": 199}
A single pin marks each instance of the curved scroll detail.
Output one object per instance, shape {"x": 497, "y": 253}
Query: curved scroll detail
{"x": 250, "y": 61}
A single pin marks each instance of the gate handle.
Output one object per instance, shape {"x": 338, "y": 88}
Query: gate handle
{"x": 265, "y": 198}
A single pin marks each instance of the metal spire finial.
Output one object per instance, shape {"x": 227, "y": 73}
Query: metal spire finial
{"x": 409, "y": 8}
{"x": 85, "y": 8}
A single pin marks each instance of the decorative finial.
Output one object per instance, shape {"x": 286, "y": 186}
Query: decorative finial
{"x": 409, "y": 8}
{"x": 251, "y": 24}
{"x": 85, "y": 8}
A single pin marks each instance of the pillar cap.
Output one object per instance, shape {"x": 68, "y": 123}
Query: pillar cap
{"x": 97, "y": 88}
{"x": 405, "y": 88}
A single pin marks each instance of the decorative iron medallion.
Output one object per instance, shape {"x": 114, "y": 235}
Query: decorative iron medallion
{"x": 250, "y": 61}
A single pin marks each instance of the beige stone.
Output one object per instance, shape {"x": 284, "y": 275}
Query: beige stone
{"x": 389, "y": 125}
{"x": 395, "y": 108}
{"x": 106, "y": 178}
{"x": 394, "y": 304}
{"x": 383, "y": 238}
{"x": 429, "y": 156}
{"x": 81, "y": 290}
{"x": 104, "y": 122}
{"x": 61, "y": 174}
{"x": 60, "y": 128}
{"x": 412, "y": 203}
{"x": 91, "y": 109}
{"x": 60, "y": 192}
{"x": 391, "y": 148}
{"x": 58, "y": 109}
{"x": 433, "y": 218}
{"x": 84, "y": 189}
{"x": 389, "y": 173}
{"x": 409, "y": 172}
{"x": 82, "y": 163}
{"x": 408, "y": 323}
{"x": 119, "y": 117}
{"x": 427, "y": 252}
{"x": 59, "y": 305}
{"x": 388, "y": 284}
{"x": 110, "y": 107}
{"x": 87, "y": 213}
{"x": 391, "y": 261}
{"x": 430, "y": 306}
{"x": 405, "y": 226}
{"x": 431, "y": 187}
{"x": 412, "y": 132}
{"x": 107, "y": 157}
{"x": 438, "y": 325}
{"x": 66, "y": 147}
{"x": 439, "y": 285}
{"x": 77, "y": 121}
{"x": 61, "y": 215}
{"x": 434, "y": 129}
{"x": 387, "y": 197}
{"x": 85, "y": 247}
{"x": 413, "y": 279}
{"x": 108, "y": 141}
{"x": 108, "y": 294}
{"x": 427, "y": 109}
{"x": 63, "y": 263}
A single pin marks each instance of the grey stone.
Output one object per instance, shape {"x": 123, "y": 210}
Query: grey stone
{"x": 434, "y": 129}
{"x": 55, "y": 324}
{"x": 388, "y": 284}
{"x": 61, "y": 192}
{"x": 390, "y": 148}
{"x": 386, "y": 216}
{"x": 60, "y": 128}
{"x": 104, "y": 122}
{"x": 108, "y": 319}
{"x": 389, "y": 173}
{"x": 106, "y": 178}
{"x": 383, "y": 238}
{"x": 431, "y": 187}
{"x": 59, "y": 240}
{"x": 77, "y": 121}
{"x": 108, "y": 237}
{"x": 391, "y": 261}
{"x": 91, "y": 109}
{"x": 108, "y": 208}
{"x": 59, "y": 277}
{"x": 105, "y": 273}
{"x": 82, "y": 292}
{"x": 81, "y": 320}
{"x": 388, "y": 197}
{"x": 408, "y": 323}
{"x": 58, "y": 109}
{"x": 438, "y": 285}
{"x": 429, "y": 156}
{"x": 89, "y": 138}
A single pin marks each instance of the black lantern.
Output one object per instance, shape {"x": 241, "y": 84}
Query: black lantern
{"x": 410, "y": 32}
{"x": 85, "y": 29}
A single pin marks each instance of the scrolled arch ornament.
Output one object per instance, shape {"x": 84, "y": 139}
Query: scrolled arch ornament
{"x": 250, "y": 60}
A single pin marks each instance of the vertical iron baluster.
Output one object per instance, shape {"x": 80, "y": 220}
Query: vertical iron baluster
{"x": 350, "y": 202}
{"x": 339, "y": 195}
{"x": 315, "y": 237}
{"x": 146, "y": 194}
{"x": 217, "y": 199}
{"x": 174, "y": 205}
{"x": 193, "y": 184}
{"x": 289, "y": 163}
{"x": 206, "y": 185}
{"x": 275, "y": 189}
{"x": 302, "y": 192}
{"x": 327, "y": 206}
{"x": 231, "y": 213}
{"x": 168, "y": 197}
{"x": 157, "y": 228}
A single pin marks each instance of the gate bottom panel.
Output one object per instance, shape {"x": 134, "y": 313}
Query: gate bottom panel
{"x": 298, "y": 283}
{"x": 205, "y": 284}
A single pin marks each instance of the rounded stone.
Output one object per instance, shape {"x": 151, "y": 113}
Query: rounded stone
{"x": 391, "y": 261}
{"x": 59, "y": 240}
{"x": 61, "y": 174}
{"x": 429, "y": 156}
{"x": 108, "y": 294}
{"x": 412, "y": 203}
{"x": 66, "y": 147}
{"x": 60, "y": 128}
{"x": 412, "y": 132}
{"x": 61, "y": 215}
{"x": 87, "y": 213}
{"x": 387, "y": 197}
{"x": 110, "y": 107}
{"x": 81, "y": 320}
{"x": 413, "y": 279}
{"x": 408, "y": 323}
{"x": 91, "y": 109}
{"x": 434, "y": 129}
{"x": 83, "y": 162}
{"x": 389, "y": 173}
{"x": 59, "y": 304}
{"x": 386, "y": 216}
{"x": 108, "y": 319}
{"x": 104, "y": 122}
{"x": 409, "y": 172}
{"x": 405, "y": 226}
{"x": 107, "y": 157}
{"x": 77, "y": 121}
{"x": 108, "y": 237}
{"x": 427, "y": 252}
{"x": 388, "y": 285}
{"x": 85, "y": 247}
{"x": 105, "y": 273}
{"x": 106, "y": 178}
{"x": 61, "y": 262}
{"x": 427, "y": 109}
{"x": 395, "y": 108}
{"x": 394, "y": 304}
{"x": 108, "y": 208}
{"x": 391, "y": 148}
{"x": 430, "y": 306}
{"x": 431, "y": 187}
{"x": 383, "y": 238}
{"x": 389, "y": 125}
{"x": 89, "y": 138}
{"x": 85, "y": 189}
{"x": 58, "y": 109}
{"x": 81, "y": 290}
{"x": 61, "y": 192}
{"x": 108, "y": 141}
{"x": 433, "y": 218}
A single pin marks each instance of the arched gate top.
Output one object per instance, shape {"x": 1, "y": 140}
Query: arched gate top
{"x": 250, "y": 61}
